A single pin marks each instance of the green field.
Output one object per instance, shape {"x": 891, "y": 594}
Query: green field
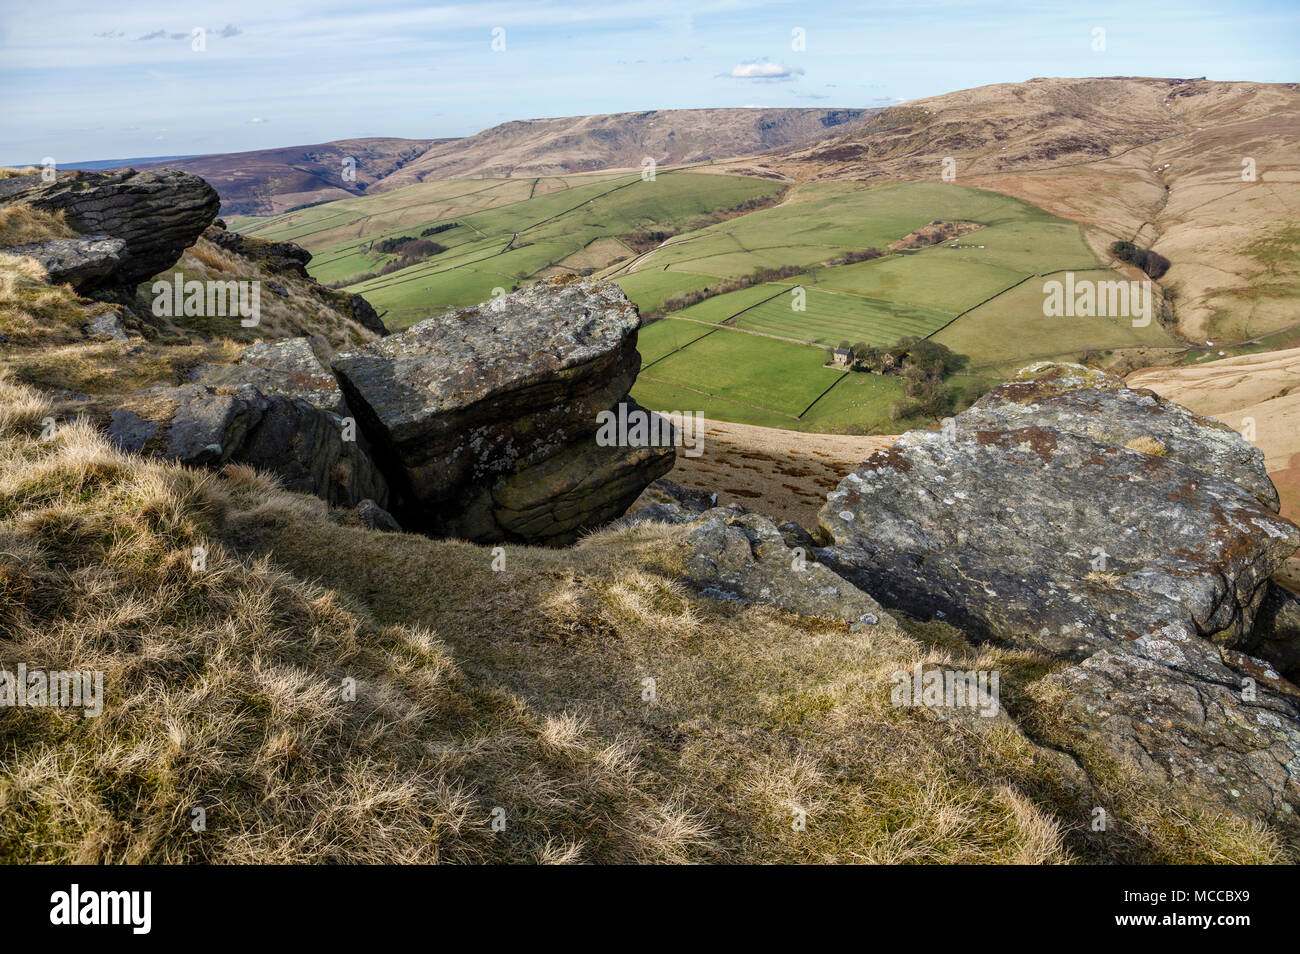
{"x": 831, "y": 317}
{"x": 762, "y": 362}
{"x": 667, "y": 335}
{"x": 504, "y": 236}
{"x": 1011, "y": 330}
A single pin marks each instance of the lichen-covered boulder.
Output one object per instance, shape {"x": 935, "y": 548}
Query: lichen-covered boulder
{"x": 1106, "y": 526}
{"x": 486, "y": 415}
{"x": 1065, "y": 512}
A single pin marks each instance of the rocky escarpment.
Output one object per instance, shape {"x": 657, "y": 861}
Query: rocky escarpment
{"x": 278, "y": 408}
{"x": 1069, "y": 514}
{"x": 487, "y": 417}
{"x": 156, "y": 215}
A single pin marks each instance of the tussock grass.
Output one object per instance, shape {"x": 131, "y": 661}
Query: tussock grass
{"x": 225, "y": 692}
{"x": 304, "y": 310}
{"x": 47, "y": 346}
{"x": 1147, "y": 445}
{"x": 26, "y": 225}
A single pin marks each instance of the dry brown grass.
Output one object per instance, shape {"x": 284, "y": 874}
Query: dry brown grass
{"x": 1148, "y": 445}
{"x": 225, "y": 693}
{"x": 301, "y": 312}
{"x": 523, "y": 690}
{"x": 25, "y": 225}
{"x": 8, "y": 173}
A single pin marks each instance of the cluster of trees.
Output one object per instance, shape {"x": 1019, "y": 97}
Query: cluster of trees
{"x": 856, "y": 255}
{"x": 1151, "y": 262}
{"x": 408, "y": 246}
{"x": 642, "y": 240}
{"x": 757, "y": 277}
{"x": 435, "y": 229}
{"x": 923, "y": 365}
{"x": 409, "y": 251}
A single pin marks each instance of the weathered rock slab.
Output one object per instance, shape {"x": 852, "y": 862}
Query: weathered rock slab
{"x": 155, "y": 214}
{"x": 741, "y": 555}
{"x": 1012, "y": 527}
{"x": 85, "y": 263}
{"x": 205, "y": 426}
{"x": 487, "y": 415}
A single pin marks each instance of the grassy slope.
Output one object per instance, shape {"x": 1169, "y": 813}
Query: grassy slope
{"x": 477, "y": 690}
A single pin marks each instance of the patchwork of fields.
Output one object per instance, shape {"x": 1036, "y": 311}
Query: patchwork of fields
{"x": 752, "y": 353}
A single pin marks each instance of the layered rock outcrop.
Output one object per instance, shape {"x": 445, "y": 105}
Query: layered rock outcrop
{"x": 156, "y": 215}
{"x": 488, "y": 416}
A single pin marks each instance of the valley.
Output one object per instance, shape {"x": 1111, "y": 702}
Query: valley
{"x": 753, "y": 354}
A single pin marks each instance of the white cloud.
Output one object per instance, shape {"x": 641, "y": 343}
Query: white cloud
{"x": 258, "y": 119}
{"x": 764, "y": 69}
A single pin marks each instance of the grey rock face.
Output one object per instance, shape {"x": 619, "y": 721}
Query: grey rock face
{"x": 738, "y": 555}
{"x": 85, "y": 263}
{"x": 1014, "y": 527}
{"x": 204, "y": 426}
{"x": 580, "y": 488}
{"x": 156, "y": 214}
{"x": 1100, "y": 524}
{"x": 1169, "y": 706}
{"x": 375, "y": 517}
{"x": 489, "y": 413}
{"x": 289, "y": 368}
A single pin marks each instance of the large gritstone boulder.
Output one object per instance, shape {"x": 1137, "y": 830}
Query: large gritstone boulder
{"x": 1102, "y": 525}
{"x": 1068, "y": 512}
{"x": 488, "y": 415}
{"x": 156, "y": 214}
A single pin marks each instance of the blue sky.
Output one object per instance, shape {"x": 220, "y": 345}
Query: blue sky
{"x": 82, "y": 81}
